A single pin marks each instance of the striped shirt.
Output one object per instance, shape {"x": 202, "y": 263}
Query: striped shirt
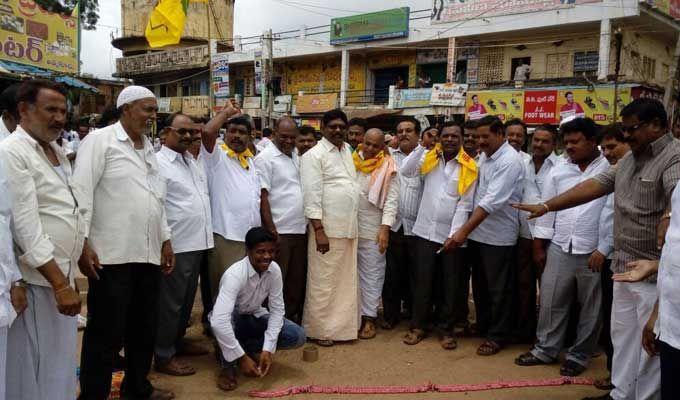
{"x": 410, "y": 193}
{"x": 642, "y": 189}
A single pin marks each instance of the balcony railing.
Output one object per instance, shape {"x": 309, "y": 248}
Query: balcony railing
{"x": 169, "y": 60}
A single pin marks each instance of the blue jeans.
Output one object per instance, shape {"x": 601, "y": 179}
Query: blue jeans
{"x": 249, "y": 331}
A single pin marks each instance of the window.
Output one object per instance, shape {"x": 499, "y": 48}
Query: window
{"x": 516, "y": 63}
{"x": 648, "y": 68}
{"x": 586, "y": 62}
{"x": 490, "y": 67}
{"x": 557, "y": 65}
{"x": 665, "y": 72}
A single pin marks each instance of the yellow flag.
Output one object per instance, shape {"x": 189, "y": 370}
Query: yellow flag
{"x": 166, "y": 23}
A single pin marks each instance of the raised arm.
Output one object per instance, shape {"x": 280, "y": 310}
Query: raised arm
{"x": 212, "y": 128}
{"x": 411, "y": 165}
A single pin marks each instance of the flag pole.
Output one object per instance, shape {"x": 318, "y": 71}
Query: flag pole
{"x": 210, "y": 78}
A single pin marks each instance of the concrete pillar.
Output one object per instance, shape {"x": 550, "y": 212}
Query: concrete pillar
{"x": 605, "y": 45}
{"x": 237, "y": 43}
{"x": 344, "y": 77}
{"x": 303, "y": 32}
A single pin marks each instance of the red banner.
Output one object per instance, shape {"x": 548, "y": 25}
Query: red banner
{"x": 540, "y": 106}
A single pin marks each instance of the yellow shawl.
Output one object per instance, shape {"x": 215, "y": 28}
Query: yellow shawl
{"x": 241, "y": 157}
{"x": 468, "y": 167}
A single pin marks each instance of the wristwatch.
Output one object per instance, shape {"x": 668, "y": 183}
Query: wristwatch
{"x": 667, "y": 215}
{"x": 19, "y": 283}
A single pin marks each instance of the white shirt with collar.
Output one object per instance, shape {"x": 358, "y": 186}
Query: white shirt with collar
{"x": 4, "y": 132}
{"x": 370, "y": 216}
{"x": 499, "y": 184}
{"x": 242, "y": 291}
{"x": 123, "y": 193}
{"x": 187, "y": 201}
{"x": 668, "y": 279}
{"x": 234, "y": 194}
{"x": 605, "y": 243}
{"x": 330, "y": 189}
{"x": 9, "y": 271}
{"x": 410, "y": 193}
{"x": 533, "y": 184}
{"x": 442, "y": 210}
{"x": 47, "y": 222}
{"x": 279, "y": 175}
{"x": 574, "y": 230}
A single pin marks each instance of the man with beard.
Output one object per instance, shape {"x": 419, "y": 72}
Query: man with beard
{"x": 48, "y": 236}
{"x": 492, "y": 230}
{"x": 187, "y": 206}
{"x": 378, "y": 203}
{"x": 282, "y": 211}
{"x": 543, "y": 160}
{"x": 331, "y": 198}
{"x": 305, "y": 140}
{"x": 118, "y": 183}
{"x": 642, "y": 183}
{"x": 449, "y": 185}
{"x": 469, "y": 139}
{"x": 401, "y": 257}
{"x": 356, "y": 129}
{"x": 234, "y": 199}
{"x": 574, "y": 237}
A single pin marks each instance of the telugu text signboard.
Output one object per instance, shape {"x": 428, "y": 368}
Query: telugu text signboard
{"x": 316, "y": 103}
{"x": 540, "y": 106}
{"x": 448, "y": 94}
{"x": 409, "y": 98}
{"x": 372, "y": 26}
{"x": 30, "y": 35}
{"x": 459, "y": 10}
{"x": 220, "y": 75}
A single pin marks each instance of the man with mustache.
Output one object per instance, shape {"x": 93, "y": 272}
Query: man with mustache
{"x": 449, "y": 176}
{"x": 642, "y": 183}
{"x": 516, "y": 133}
{"x": 492, "y": 230}
{"x": 331, "y": 198}
{"x": 118, "y": 182}
{"x": 306, "y": 139}
{"x": 187, "y": 206}
{"x": 48, "y": 237}
{"x": 573, "y": 236}
{"x": 356, "y": 131}
{"x": 234, "y": 199}
{"x": 378, "y": 202}
{"x": 282, "y": 211}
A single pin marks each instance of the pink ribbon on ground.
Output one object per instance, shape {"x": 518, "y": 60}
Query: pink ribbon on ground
{"x": 428, "y": 387}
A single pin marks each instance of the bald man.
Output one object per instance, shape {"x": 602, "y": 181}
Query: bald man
{"x": 378, "y": 205}
{"x": 282, "y": 211}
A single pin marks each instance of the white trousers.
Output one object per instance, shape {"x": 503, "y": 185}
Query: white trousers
{"x": 635, "y": 375}
{"x": 41, "y": 350}
{"x": 3, "y": 361}
{"x": 371, "y": 265}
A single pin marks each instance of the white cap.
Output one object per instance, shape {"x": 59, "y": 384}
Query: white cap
{"x": 133, "y": 93}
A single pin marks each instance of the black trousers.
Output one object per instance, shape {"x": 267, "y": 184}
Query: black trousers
{"x": 607, "y": 298}
{"x": 206, "y": 294}
{"x": 436, "y": 279}
{"x": 527, "y": 276}
{"x": 670, "y": 371}
{"x": 399, "y": 275}
{"x": 292, "y": 258}
{"x": 461, "y": 308}
{"x": 494, "y": 290}
{"x": 122, "y": 310}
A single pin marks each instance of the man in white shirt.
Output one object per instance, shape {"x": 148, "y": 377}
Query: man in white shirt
{"x": 187, "y": 206}
{"x": 401, "y": 258}
{"x": 574, "y": 237}
{"x": 249, "y": 334}
{"x": 282, "y": 212}
{"x": 492, "y": 230}
{"x": 305, "y": 140}
{"x": 543, "y": 160}
{"x": 516, "y": 134}
{"x": 10, "y": 114}
{"x": 48, "y": 234}
{"x": 356, "y": 129}
{"x": 118, "y": 182}
{"x": 331, "y": 197}
{"x": 12, "y": 287}
{"x": 445, "y": 206}
{"x": 378, "y": 204}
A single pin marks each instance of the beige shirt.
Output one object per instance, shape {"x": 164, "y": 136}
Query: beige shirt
{"x": 47, "y": 220}
{"x": 370, "y": 216}
{"x": 330, "y": 189}
{"x": 123, "y": 194}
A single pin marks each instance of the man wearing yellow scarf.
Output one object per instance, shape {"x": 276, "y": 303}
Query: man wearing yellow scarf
{"x": 449, "y": 176}
{"x": 378, "y": 205}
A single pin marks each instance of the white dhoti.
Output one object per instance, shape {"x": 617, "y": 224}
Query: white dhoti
{"x": 636, "y": 375}
{"x": 331, "y": 303}
{"x": 3, "y": 361}
{"x": 371, "y": 265}
{"x": 41, "y": 350}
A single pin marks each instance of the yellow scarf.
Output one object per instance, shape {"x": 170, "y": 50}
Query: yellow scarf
{"x": 241, "y": 157}
{"x": 370, "y": 165}
{"x": 468, "y": 167}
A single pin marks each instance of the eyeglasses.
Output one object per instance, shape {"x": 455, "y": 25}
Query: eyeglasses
{"x": 633, "y": 128}
{"x": 184, "y": 131}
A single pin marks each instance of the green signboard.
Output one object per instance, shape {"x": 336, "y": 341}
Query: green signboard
{"x": 372, "y": 26}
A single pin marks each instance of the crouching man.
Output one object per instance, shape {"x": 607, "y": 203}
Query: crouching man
{"x": 249, "y": 334}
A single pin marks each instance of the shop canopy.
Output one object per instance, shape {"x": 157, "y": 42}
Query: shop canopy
{"x": 22, "y": 69}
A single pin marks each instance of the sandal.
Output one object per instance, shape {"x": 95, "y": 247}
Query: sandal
{"x": 414, "y": 336}
{"x": 604, "y": 384}
{"x": 227, "y": 379}
{"x": 571, "y": 368}
{"x": 488, "y": 348}
{"x": 324, "y": 342}
{"x": 367, "y": 329}
{"x": 174, "y": 367}
{"x": 448, "y": 342}
{"x": 528, "y": 359}
{"x": 387, "y": 325}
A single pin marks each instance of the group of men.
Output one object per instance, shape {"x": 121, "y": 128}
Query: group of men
{"x": 322, "y": 233}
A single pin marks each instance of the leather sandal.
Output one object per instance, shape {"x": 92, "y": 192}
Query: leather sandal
{"x": 528, "y": 360}
{"x": 227, "y": 379}
{"x": 448, "y": 342}
{"x": 489, "y": 348}
{"x": 414, "y": 336}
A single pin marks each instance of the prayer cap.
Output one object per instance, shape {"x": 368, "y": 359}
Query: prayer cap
{"x": 133, "y": 93}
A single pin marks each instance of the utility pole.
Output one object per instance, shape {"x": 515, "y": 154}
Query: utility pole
{"x": 268, "y": 73}
{"x": 210, "y": 67}
{"x": 673, "y": 76}
{"x": 618, "y": 41}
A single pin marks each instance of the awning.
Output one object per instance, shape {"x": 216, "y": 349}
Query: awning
{"x": 367, "y": 113}
{"x": 76, "y": 83}
{"x": 23, "y": 69}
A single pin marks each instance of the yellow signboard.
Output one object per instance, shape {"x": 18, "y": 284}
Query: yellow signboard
{"x": 30, "y": 35}
{"x": 597, "y": 104}
{"x": 316, "y": 103}
{"x": 505, "y": 104}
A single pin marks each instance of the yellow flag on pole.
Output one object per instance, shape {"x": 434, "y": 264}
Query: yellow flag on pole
{"x": 166, "y": 23}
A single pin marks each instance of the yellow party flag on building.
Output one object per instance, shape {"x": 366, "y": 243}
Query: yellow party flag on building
{"x": 166, "y": 23}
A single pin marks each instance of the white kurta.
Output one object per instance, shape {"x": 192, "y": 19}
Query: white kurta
{"x": 331, "y": 194}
